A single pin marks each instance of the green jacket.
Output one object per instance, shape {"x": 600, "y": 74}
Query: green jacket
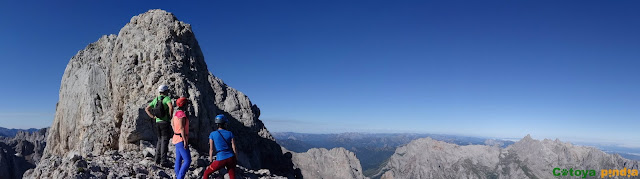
{"x": 166, "y": 100}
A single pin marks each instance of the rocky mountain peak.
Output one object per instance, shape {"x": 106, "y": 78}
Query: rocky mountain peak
{"x": 107, "y": 85}
{"x": 154, "y": 17}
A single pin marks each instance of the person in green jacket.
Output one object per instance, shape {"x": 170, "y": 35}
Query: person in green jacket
{"x": 162, "y": 115}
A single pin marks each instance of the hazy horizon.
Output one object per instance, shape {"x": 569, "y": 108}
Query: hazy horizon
{"x": 510, "y": 138}
{"x": 578, "y": 140}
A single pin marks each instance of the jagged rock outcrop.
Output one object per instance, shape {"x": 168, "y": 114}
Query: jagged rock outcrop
{"x": 21, "y": 152}
{"x": 106, "y": 87}
{"x": 319, "y": 163}
{"x": 527, "y": 158}
{"x": 133, "y": 164}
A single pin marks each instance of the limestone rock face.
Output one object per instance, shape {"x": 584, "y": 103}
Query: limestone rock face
{"x": 322, "y": 163}
{"x": 107, "y": 85}
{"x": 528, "y": 158}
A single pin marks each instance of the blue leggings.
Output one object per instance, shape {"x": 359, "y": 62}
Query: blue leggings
{"x": 182, "y": 154}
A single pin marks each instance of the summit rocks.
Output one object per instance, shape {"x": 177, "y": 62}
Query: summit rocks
{"x": 323, "y": 163}
{"x": 107, "y": 85}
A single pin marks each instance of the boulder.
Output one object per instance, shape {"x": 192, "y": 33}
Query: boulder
{"x": 323, "y": 163}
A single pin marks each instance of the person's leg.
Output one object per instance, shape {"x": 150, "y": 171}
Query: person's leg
{"x": 164, "y": 149}
{"x": 165, "y": 128}
{"x": 158, "y": 143}
{"x": 215, "y": 166}
{"x": 186, "y": 155}
{"x": 176, "y": 166}
{"x": 231, "y": 167}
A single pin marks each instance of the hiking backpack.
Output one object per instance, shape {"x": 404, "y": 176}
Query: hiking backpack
{"x": 159, "y": 110}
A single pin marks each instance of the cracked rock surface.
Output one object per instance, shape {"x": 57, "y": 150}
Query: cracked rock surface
{"x": 107, "y": 85}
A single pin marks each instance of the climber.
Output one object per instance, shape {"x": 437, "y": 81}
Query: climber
{"x": 161, "y": 114}
{"x": 180, "y": 125}
{"x": 225, "y": 146}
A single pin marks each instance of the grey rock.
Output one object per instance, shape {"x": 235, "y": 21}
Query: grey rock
{"x": 141, "y": 176}
{"x": 162, "y": 174}
{"x": 111, "y": 176}
{"x": 527, "y": 158}
{"x": 73, "y": 156}
{"x": 20, "y": 153}
{"x": 145, "y": 144}
{"x": 200, "y": 163}
{"x": 104, "y": 166}
{"x": 95, "y": 168}
{"x": 141, "y": 170}
{"x": 81, "y": 164}
{"x": 146, "y": 162}
{"x": 149, "y": 152}
{"x": 323, "y": 163}
{"x": 107, "y": 85}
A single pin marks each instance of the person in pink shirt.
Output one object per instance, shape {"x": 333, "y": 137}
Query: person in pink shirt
{"x": 180, "y": 139}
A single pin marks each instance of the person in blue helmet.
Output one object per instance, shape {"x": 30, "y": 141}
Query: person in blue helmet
{"x": 225, "y": 146}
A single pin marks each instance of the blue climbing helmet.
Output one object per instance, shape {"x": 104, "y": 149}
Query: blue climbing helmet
{"x": 221, "y": 119}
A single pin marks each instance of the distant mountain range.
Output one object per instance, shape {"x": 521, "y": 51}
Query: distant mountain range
{"x": 626, "y": 152}
{"x": 527, "y": 158}
{"x": 374, "y": 149}
{"x": 626, "y": 155}
{"x": 371, "y": 149}
{"x": 4, "y": 132}
{"x": 21, "y": 152}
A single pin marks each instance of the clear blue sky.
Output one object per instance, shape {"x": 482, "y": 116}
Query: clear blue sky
{"x": 552, "y": 69}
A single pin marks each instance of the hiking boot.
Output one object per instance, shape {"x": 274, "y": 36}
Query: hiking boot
{"x": 166, "y": 164}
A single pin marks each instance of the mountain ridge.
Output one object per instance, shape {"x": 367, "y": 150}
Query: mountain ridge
{"x": 21, "y": 152}
{"x": 527, "y": 158}
{"x": 6, "y": 132}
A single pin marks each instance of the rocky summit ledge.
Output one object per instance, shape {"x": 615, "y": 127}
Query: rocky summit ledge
{"x": 130, "y": 164}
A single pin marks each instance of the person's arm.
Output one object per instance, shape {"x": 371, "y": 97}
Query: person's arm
{"x": 184, "y": 133}
{"x": 149, "y": 113}
{"x": 170, "y": 108}
{"x": 233, "y": 145}
{"x": 210, "y": 149}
